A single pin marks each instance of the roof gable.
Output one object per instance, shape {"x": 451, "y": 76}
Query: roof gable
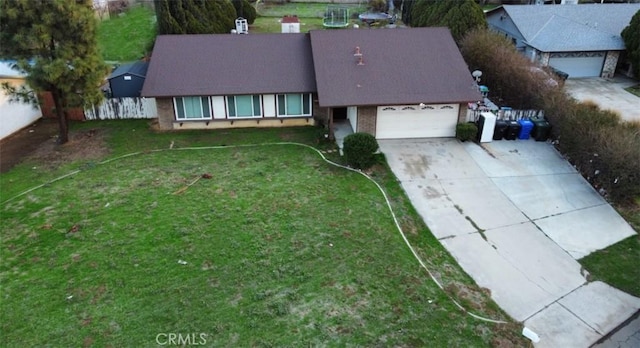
{"x": 137, "y": 69}
{"x": 399, "y": 66}
{"x": 226, "y": 64}
{"x": 587, "y": 27}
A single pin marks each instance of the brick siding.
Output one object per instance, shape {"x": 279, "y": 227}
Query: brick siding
{"x": 165, "y": 113}
{"x": 367, "y": 119}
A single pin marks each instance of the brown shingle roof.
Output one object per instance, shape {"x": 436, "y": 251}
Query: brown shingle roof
{"x": 401, "y": 66}
{"x": 224, "y": 64}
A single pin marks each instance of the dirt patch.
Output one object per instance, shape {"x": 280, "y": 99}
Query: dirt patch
{"x": 87, "y": 145}
{"x": 38, "y": 143}
{"x": 18, "y": 146}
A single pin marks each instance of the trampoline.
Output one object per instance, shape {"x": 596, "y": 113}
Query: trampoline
{"x": 336, "y": 17}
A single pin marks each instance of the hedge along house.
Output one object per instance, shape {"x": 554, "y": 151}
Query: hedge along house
{"x": 392, "y": 83}
{"x": 231, "y": 81}
{"x": 580, "y": 40}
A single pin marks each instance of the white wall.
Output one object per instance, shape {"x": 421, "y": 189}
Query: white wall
{"x": 15, "y": 116}
{"x": 269, "y": 105}
{"x": 352, "y": 116}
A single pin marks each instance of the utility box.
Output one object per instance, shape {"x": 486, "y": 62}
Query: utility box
{"x": 525, "y": 129}
{"x": 486, "y": 125}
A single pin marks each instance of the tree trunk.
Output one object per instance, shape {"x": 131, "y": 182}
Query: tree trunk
{"x": 63, "y": 123}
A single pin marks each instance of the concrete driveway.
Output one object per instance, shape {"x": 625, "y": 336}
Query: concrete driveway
{"x": 608, "y": 94}
{"x": 517, "y": 216}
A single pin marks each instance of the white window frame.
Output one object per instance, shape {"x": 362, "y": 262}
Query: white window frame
{"x": 235, "y": 106}
{"x": 303, "y": 95}
{"x": 204, "y": 117}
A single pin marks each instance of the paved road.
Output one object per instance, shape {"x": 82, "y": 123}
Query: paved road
{"x": 517, "y": 216}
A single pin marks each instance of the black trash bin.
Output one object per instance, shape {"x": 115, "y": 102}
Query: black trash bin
{"x": 541, "y": 130}
{"x": 500, "y": 129}
{"x": 513, "y": 129}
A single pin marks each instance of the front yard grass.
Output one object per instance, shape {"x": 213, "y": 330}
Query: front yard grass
{"x": 278, "y": 248}
{"x": 617, "y": 265}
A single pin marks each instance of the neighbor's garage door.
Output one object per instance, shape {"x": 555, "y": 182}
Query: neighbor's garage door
{"x": 578, "y": 64}
{"x": 413, "y": 121}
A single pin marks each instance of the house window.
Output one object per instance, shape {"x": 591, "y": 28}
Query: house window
{"x": 244, "y": 106}
{"x": 192, "y": 108}
{"x": 294, "y": 104}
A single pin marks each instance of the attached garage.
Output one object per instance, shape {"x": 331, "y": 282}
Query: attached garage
{"x": 578, "y": 64}
{"x": 413, "y": 121}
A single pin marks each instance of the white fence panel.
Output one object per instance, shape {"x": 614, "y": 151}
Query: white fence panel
{"x": 123, "y": 108}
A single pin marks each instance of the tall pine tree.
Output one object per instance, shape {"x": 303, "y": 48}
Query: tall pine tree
{"x": 631, "y": 37}
{"x": 460, "y": 16}
{"x": 195, "y": 16}
{"x": 55, "y": 45}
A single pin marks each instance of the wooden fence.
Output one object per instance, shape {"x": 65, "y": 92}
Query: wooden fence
{"x": 123, "y": 108}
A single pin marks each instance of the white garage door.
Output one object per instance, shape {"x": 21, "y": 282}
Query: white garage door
{"x": 579, "y": 66}
{"x": 413, "y": 121}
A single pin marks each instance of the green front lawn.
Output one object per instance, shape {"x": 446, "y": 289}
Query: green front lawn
{"x": 617, "y": 265}
{"x": 278, "y": 248}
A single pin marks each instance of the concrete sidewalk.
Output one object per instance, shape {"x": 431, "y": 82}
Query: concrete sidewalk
{"x": 516, "y": 216}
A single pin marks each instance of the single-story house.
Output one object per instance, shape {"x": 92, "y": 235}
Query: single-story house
{"x": 392, "y": 83}
{"x": 126, "y": 81}
{"x": 580, "y": 40}
{"x": 14, "y": 115}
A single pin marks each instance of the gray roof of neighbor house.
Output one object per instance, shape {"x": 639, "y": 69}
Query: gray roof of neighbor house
{"x": 565, "y": 28}
{"x": 399, "y": 66}
{"x": 138, "y": 68}
{"x": 226, "y": 64}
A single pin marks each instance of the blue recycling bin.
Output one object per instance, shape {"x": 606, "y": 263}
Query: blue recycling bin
{"x": 525, "y": 129}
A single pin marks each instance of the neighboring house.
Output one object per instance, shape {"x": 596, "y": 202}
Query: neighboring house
{"x": 580, "y": 40}
{"x": 14, "y": 115}
{"x": 126, "y": 81}
{"x": 392, "y": 83}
